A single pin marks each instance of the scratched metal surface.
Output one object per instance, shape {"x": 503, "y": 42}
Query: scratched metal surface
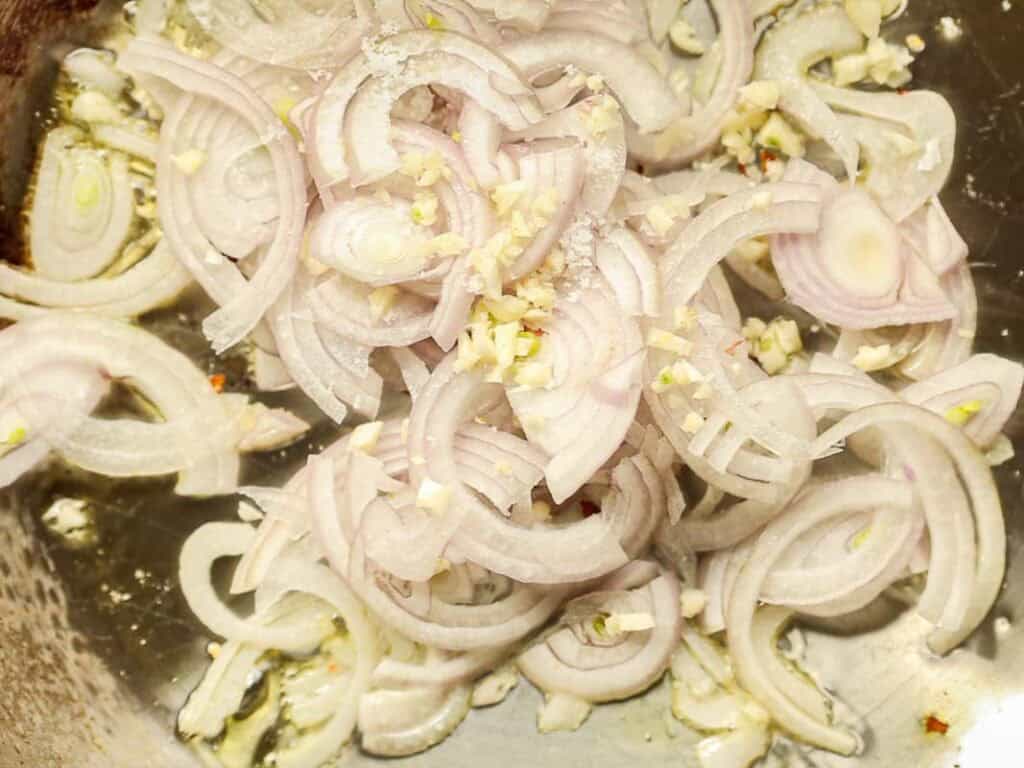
{"x": 97, "y": 649}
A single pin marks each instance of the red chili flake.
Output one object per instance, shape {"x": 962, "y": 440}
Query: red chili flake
{"x": 932, "y": 724}
{"x": 589, "y": 508}
{"x": 742, "y": 167}
{"x": 731, "y": 349}
{"x": 217, "y": 381}
{"x": 767, "y": 157}
{"x": 902, "y": 91}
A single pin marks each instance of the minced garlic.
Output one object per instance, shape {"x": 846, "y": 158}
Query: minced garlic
{"x": 685, "y": 318}
{"x": 602, "y": 116}
{"x": 873, "y": 358}
{"x": 189, "y": 161}
{"x": 773, "y": 344}
{"x": 426, "y": 169}
{"x": 685, "y": 38}
{"x": 619, "y": 623}
{"x": 777, "y": 133}
{"x": 761, "y": 94}
{"x": 668, "y": 342}
{"x": 692, "y": 423}
{"x": 680, "y": 374}
{"x": 692, "y": 602}
{"x": 433, "y": 497}
{"x": 424, "y": 209}
{"x": 366, "y": 436}
{"x": 962, "y": 414}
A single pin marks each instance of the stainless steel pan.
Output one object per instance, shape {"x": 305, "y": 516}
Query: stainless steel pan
{"x": 97, "y": 649}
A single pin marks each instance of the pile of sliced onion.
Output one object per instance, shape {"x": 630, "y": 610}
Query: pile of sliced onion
{"x": 199, "y": 433}
{"x": 591, "y": 658}
{"x": 154, "y": 282}
{"x": 82, "y": 210}
{"x": 500, "y": 228}
{"x": 246, "y": 126}
{"x": 418, "y": 702}
{"x": 859, "y": 272}
{"x": 596, "y": 361}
